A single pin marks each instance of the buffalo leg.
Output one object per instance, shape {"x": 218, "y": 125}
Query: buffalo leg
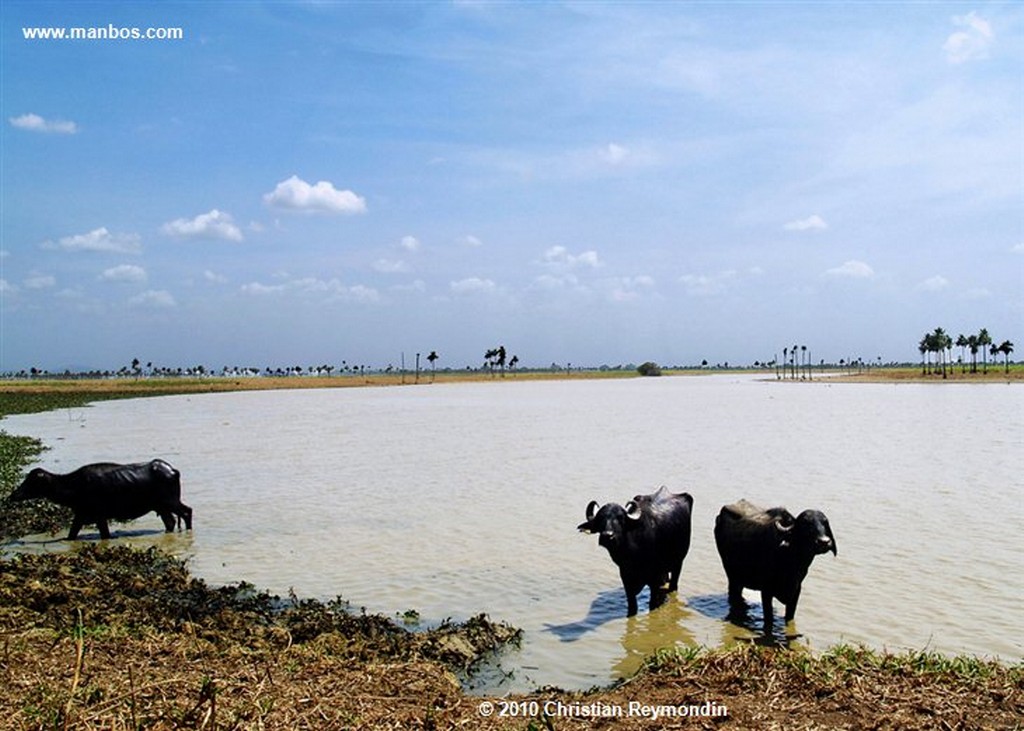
{"x": 736, "y": 600}
{"x": 791, "y": 607}
{"x": 76, "y": 525}
{"x": 185, "y": 512}
{"x": 766, "y": 610}
{"x": 168, "y": 518}
{"x": 632, "y": 588}
{"x": 673, "y": 583}
{"x": 658, "y": 597}
{"x": 737, "y": 605}
{"x": 104, "y": 530}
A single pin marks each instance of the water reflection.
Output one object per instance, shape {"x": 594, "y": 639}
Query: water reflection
{"x": 646, "y": 633}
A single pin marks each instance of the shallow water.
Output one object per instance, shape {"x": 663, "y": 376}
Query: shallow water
{"x": 459, "y": 498}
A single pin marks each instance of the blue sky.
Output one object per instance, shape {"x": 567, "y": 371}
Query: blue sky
{"x": 594, "y": 183}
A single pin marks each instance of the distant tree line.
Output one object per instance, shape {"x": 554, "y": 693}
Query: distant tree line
{"x": 936, "y": 350}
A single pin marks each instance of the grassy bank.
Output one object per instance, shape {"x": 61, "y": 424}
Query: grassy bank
{"x": 107, "y": 637}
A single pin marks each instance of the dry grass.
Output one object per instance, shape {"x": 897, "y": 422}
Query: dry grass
{"x": 115, "y": 638}
{"x": 995, "y": 374}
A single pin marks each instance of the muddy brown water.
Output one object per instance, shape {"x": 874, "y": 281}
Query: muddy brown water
{"x": 452, "y": 499}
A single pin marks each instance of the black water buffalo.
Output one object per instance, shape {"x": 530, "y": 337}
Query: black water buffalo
{"x": 647, "y": 539}
{"x": 770, "y": 551}
{"x": 100, "y": 492}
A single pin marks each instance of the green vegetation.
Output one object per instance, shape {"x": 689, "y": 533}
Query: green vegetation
{"x": 936, "y": 350}
{"x": 649, "y": 369}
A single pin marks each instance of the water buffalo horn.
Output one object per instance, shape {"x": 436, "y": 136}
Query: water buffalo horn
{"x": 632, "y": 510}
{"x": 592, "y": 509}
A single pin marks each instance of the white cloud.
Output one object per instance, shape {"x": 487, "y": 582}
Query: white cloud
{"x": 390, "y": 266}
{"x": 213, "y": 277}
{"x": 560, "y": 256}
{"x": 410, "y": 243}
{"x": 298, "y": 195}
{"x": 258, "y": 289}
{"x": 614, "y": 154}
{"x": 331, "y": 290}
{"x": 99, "y": 239}
{"x": 40, "y": 281}
{"x": 473, "y": 284}
{"x": 155, "y": 298}
{"x": 213, "y": 225}
{"x": 6, "y": 286}
{"x": 124, "y": 273}
{"x": 35, "y": 123}
{"x": 625, "y": 289}
{"x": 706, "y": 285}
{"x": 933, "y": 284}
{"x": 972, "y": 42}
{"x": 1018, "y": 249}
{"x": 853, "y": 269}
{"x": 470, "y": 240}
{"x": 811, "y": 223}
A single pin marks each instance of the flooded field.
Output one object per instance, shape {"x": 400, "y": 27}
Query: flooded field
{"x": 455, "y": 499}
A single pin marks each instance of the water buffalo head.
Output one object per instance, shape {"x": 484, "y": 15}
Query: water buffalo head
{"x": 37, "y": 484}
{"x": 610, "y": 522}
{"x": 810, "y": 532}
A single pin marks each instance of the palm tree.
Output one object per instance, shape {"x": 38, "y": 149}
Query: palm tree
{"x": 941, "y": 342}
{"x": 961, "y": 342}
{"x": 922, "y": 347}
{"x": 432, "y": 358}
{"x": 972, "y": 345}
{"x": 1006, "y": 347}
{"x": 984, "y": 339}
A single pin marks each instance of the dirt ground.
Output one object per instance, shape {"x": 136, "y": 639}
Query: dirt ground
{"x": 117, "y": 638}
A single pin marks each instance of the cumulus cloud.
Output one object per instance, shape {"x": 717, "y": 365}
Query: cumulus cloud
{"x": 124, "y": 273}
{"x": 1018, "y": 249}
{"x": 560, "y": 256}
{"x": 213, "y": 225}
{"x": 706, "y": 285}
{"x": 40, "y": 281}
{"x": 390, "y": 266}
{"x": 971, "y": 42}
{"x": 625, "y": 289}
{"x": 154, "y": 298}
{"x": 470, "y": 240}
{"x": 933, "y": 284}
{"x": 473, "y": 284}
{"x": 853, "y": 269}
{"x": 297, "y": 195}
{"x": 329, "y": 290}
{"x": 811, "y": 223}
{"x": 99, "y": 239}
{"x": 410, "y": 243}
{"x": 35, "y": 123}
{"x": 213, "y": 277}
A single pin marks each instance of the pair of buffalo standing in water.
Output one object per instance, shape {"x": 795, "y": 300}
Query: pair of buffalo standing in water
{"x": 765, "y": 550}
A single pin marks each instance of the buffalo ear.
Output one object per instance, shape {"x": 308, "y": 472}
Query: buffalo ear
{"x": 632, "y": 510}
{"x": 592, "y": 509}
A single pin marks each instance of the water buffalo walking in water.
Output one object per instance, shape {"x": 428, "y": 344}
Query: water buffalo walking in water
{"x": 647, "y": 539}
{"x": 100, "y": 492}
{"x": 770, "y": 551}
